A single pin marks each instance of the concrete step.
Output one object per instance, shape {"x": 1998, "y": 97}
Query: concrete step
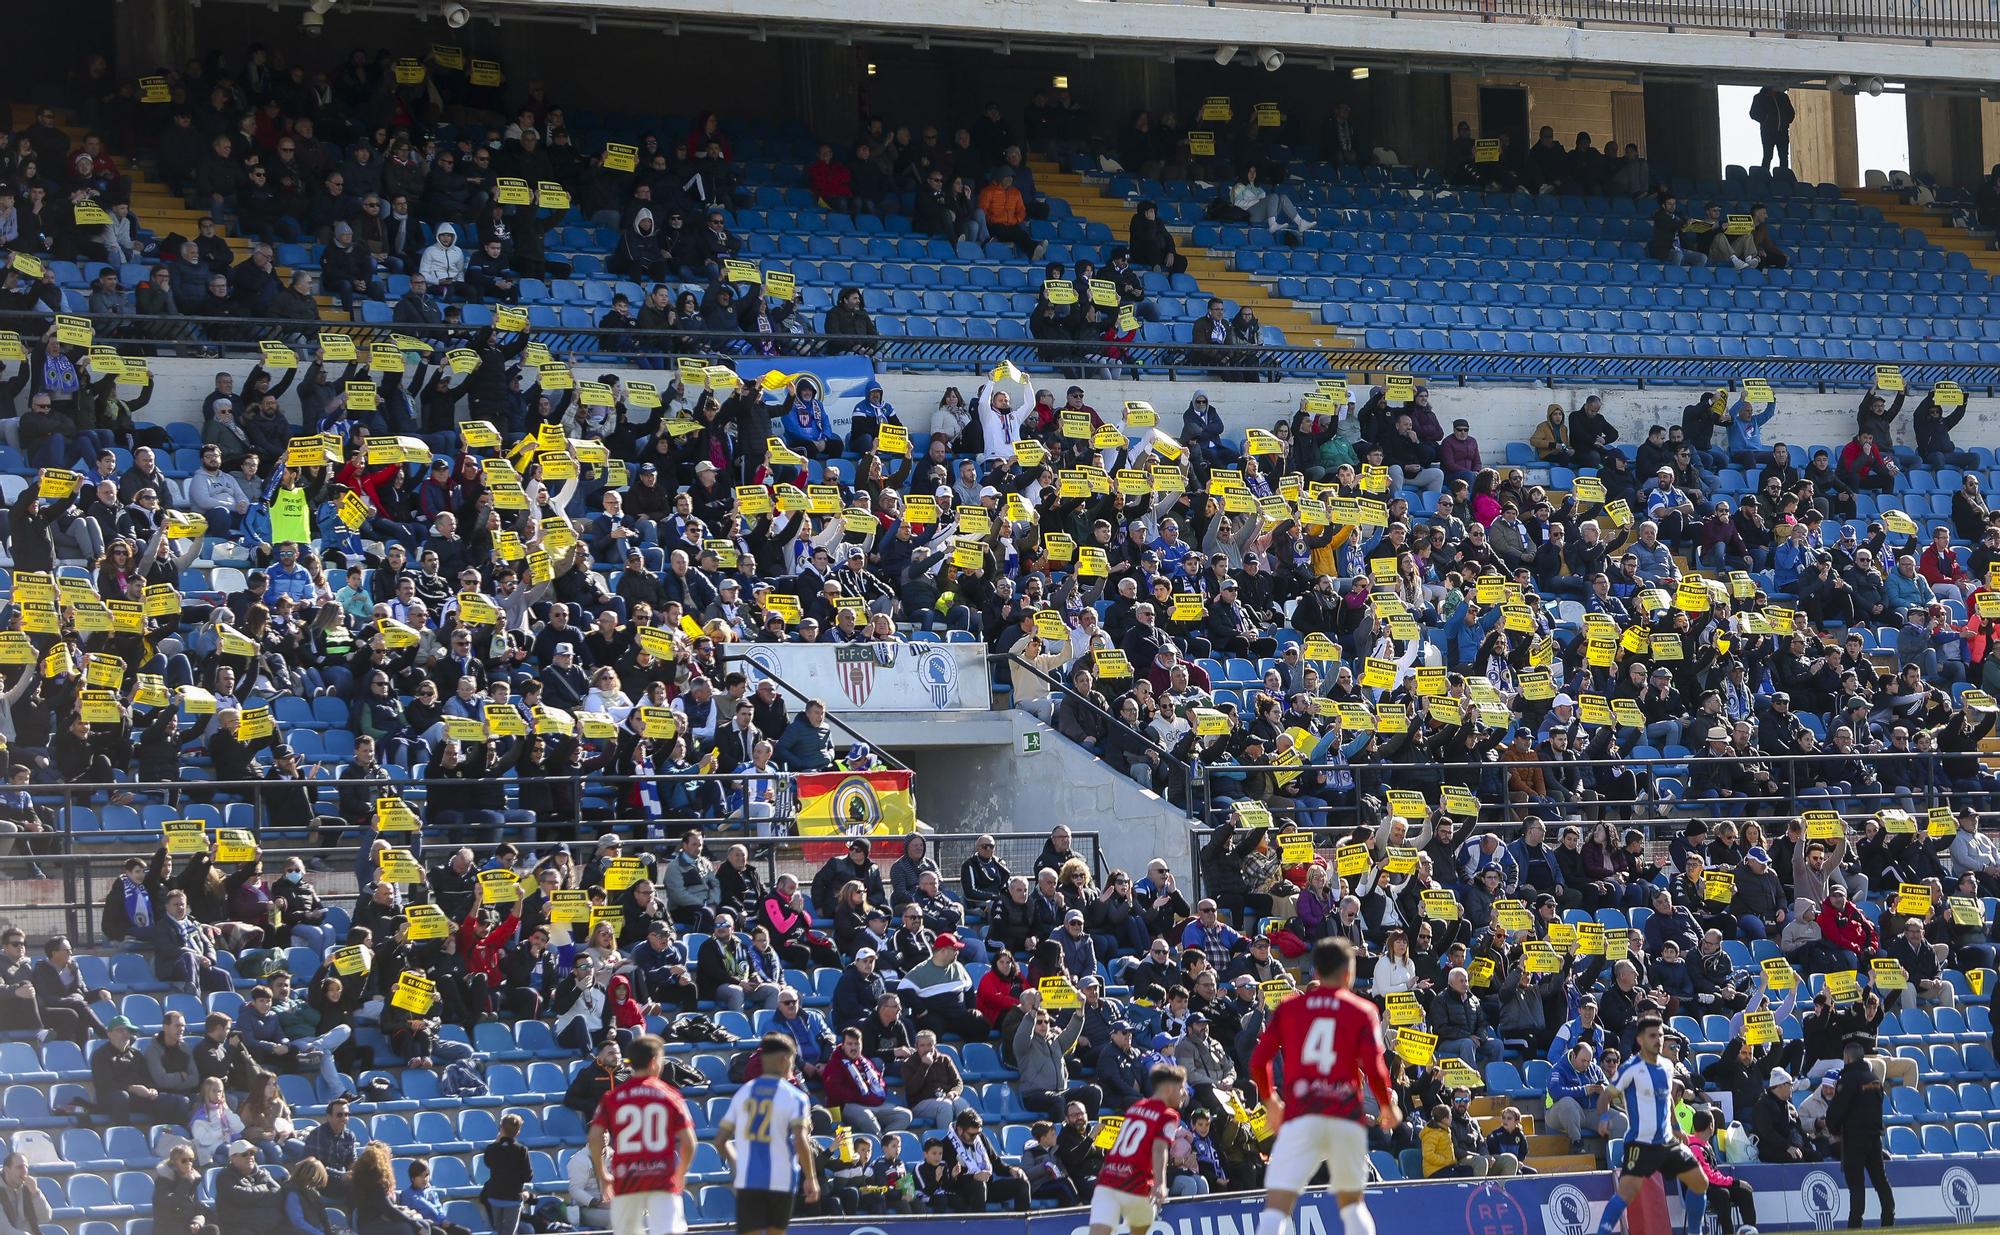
{"x": 1563, "y": 1164}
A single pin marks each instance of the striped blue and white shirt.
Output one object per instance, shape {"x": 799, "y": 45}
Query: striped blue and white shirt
{"x": 1648, "y": 1091}
{"x": 760, "y": 1120}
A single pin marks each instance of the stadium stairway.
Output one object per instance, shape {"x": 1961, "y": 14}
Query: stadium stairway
{"x": 1548, "y": 1152}
{"x": 1934, "y": 223}
{"x": 1213, "y": 271}
{"x": 163, "y": 212}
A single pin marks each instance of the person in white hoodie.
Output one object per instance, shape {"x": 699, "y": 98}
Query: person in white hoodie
{"x": 443, "y": 263}
{"x": 213, "y": 1124}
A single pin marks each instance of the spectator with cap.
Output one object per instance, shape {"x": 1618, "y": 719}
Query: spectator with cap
{"x": 1774, "y": 1124}
{"x": 247, "y": 1198}
{"x": 730, "y": 971}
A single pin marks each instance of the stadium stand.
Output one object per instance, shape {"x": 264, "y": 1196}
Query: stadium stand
{"x": 479, "y": 641}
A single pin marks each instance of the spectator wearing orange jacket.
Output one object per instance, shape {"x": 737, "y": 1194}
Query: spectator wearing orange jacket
{"x": 1007, "y": 215}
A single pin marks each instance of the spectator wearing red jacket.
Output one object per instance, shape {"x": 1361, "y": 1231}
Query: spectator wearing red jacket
{"x": 1939, "y": 564}
{"x": 1842, "y": 925}
{"x": 831, "y": 182}
{"x": 1864, "y": 466}
{"x": 482, "y": 946}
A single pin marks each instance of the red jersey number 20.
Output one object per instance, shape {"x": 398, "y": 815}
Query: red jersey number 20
{"x": 642, "y": 1129}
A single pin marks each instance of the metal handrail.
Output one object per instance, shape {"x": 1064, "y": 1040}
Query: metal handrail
{"x": 1942, "y": 20}
{"x": 1060, "y": 694}
{"x": 653, "y": 349}
{"x": 86, "y": 875}
{"x": 762, "y": 670}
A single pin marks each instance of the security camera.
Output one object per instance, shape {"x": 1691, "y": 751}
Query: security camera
{"x": 1225, "y": 53}
{"x": 456, "y": 15}
{"x": 1271, "y": 58}
{"x": 312, "y": 24}
{"x": 1873, "y": 85}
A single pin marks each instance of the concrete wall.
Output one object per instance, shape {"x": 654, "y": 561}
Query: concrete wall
{"x": 1499, "y": 414}
{"x": 995, "y": 788}
{"x": 1568, "y": 105}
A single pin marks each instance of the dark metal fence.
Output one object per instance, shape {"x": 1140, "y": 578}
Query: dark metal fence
{"x": 1939, "y": 20}
{"x": 239, "y": 337}
{"x": 56, "y": 881}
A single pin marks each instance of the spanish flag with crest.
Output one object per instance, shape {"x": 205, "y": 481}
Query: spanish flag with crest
{"x": 856, "y": 804}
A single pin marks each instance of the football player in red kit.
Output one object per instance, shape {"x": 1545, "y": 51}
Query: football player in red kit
{"x": 1331, "y": 1042}
{"x": 1132, "y": 1183}
{"x": 641, "y": 1143}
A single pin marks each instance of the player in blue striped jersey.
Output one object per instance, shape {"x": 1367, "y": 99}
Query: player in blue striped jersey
{"x": 1644, "y": 1088}
{"x": 766, "y": 1139}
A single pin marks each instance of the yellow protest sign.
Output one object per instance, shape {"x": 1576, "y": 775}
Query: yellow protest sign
{"x": 1403, "y": 1009}
{"x": 184, "y": 836}
{"x": 1441, "y": 904}
{"x": 1057, "y": 994}
{"x": 622, "y": 873}
{"x": 499, "y": 886}
{"x": 414, "y": 993}
{"x": 1914, "y": 898}
{"x": 1844, "y": 986}
{"x": 400, "y": 866}
{"x": 1778, "y": 974}
{"x": 1887, "y": 974}
{"x": 393, "y": 814}
{"x": 1718, "y": 886}
{"x": 1417, "y": 1049}
{"x": 1760, "y": 1028}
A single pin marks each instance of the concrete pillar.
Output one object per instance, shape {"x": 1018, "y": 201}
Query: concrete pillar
{"x": 1846, "y": 142}
{"x": 1684, "y": 131}
{"x": 153, "y": 34}
{"x": 1946, "y": 141}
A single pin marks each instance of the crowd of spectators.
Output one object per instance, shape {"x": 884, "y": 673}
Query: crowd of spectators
{"x": 525, "y": 608}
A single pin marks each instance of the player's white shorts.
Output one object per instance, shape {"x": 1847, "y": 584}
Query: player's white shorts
{"x": 1108, "y": 1205}
{"x": 648, "y": 1213}
{"x": 1305, "y": 1141}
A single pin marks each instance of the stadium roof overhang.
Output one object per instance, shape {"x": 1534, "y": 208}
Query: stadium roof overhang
{"x": 1335, "y": 37}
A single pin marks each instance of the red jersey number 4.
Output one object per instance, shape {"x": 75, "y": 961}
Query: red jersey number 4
{"x": 1128, "y": 1167}
{"x": 1331, "y": 1045}
{"x": 642, "y": 1121}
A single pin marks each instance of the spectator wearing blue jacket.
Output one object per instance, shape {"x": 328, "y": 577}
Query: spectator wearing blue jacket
{"x": 1580, "y": 1027}
{"x": 1462, "y": 635}
{"x": 1078, "y": 948}
{"x": 808, "y": 1029}
{"x": 1908, "y": 592}
{"x": 1576, "y": 1094}
{"x": 870, "y": 415}
{"x": 806, "y": 427}
{"x": 1746, "y": 433}
{"x": 1656, "y": 559}
{"x": 1536, "y": 868}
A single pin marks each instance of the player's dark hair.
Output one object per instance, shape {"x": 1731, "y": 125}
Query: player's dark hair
{"x": 645, "y": 1051}
{"x": 1332, "y": 957}
{"x": 773, "y": 1045}
{"x": 1647, "y": 1022}
{"x": 1164, "y": 1072}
